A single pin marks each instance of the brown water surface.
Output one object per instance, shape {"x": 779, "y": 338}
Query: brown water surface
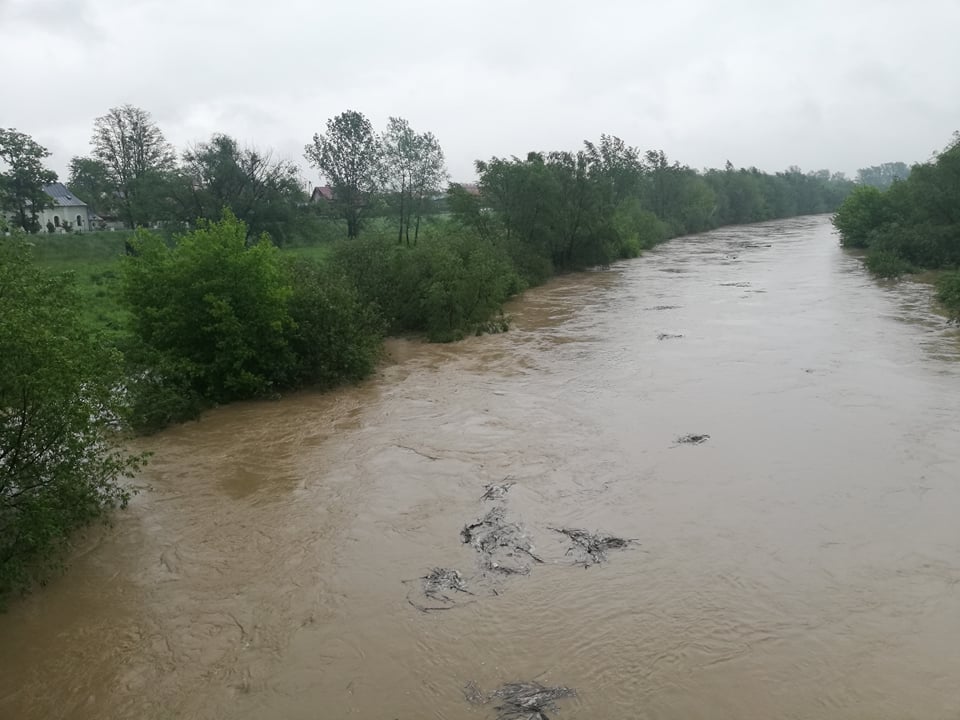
{"x": 804, "y": 562}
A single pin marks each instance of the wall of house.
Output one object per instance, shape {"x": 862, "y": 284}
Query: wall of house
{"x": 66, "y": 213}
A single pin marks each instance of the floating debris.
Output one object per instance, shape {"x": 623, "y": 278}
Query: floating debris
{"x": 735, "y": 284}
{"x": 441, "y": 580}
{"x": 435, "y": 586}
{"x": 520, "y": 700}
{"x": 692, "y": 439}
{"x": 593, "y": 546}
{"x": 496, "y": 540}
{"x": 668, "y": 336}
{"x": 495, "y": 491}
{"x": 663, "y": 307}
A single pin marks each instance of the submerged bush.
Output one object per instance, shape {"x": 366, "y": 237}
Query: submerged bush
{"x": 887, "y": 264}
{"x": 216, "y": 319}
{"x": 948, "y": 292}
{"x": 60, "y": 415}
{"x": 446, "y": 288}
{"x": 336, "y": 336}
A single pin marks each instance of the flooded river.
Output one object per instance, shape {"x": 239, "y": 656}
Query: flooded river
{"x": 804, "y": 562}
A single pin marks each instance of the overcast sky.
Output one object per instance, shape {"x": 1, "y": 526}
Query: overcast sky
{"x": 839, "y": 84}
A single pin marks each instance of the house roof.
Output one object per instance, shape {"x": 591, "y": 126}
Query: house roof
{"x": 324, "y": 192}
{"x": 62, "y": 197}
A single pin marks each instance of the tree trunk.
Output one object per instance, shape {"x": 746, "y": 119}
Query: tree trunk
{"x": 402, "y": 195}
{"x": 416, "y": 232}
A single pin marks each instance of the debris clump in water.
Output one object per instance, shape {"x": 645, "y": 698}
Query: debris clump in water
{"x": 668, "y": 336}
{"x": 438, "y": 585}
{"x": 520, "y": 700}
{"x": 495, "y": 491}
{"x": 499, "y": 542}
{"x": 692, "y": 439}
{"x": 593, "y": 546}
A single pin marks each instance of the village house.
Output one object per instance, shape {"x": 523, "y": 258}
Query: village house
{"x": 322, "y": 194}
{"x": 68, "y": 211}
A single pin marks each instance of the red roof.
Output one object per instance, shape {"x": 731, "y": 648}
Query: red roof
{"x": 324, "y": 192}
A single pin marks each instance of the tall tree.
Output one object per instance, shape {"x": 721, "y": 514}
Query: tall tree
{"x": 22, "y": 181}
{"x": 349, "y": 157}
{"x": 261, "y": 192}
{"x": 137, "y": 156}
{"x": 90, "y": 181}
{"x": 398, "y": 145}
{"x": 429, "y": 175}
{"x": 884, "y": 175}
{"x": 413, "y": 169}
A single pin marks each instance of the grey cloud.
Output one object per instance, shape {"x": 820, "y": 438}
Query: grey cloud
{"x": 817, "y": 84}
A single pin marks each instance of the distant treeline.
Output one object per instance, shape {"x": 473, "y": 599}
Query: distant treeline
{"x": 912, "y": 225}
{"x": 134, "y": 177}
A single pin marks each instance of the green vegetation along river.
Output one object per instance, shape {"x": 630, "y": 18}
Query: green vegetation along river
{"x": 801, "y": 562}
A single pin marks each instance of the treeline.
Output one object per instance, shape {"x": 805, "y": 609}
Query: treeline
{"x": 912, "y": 225}
{"x": 567, "y": 210}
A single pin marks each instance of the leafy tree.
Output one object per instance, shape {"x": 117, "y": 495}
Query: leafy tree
{"x": 210, "y": 311}
{"x": 349, "y": 156}
{"x": 260, "y": 191}
{"x": 884, "y": 175}
{"x": 60, "y": 414}
{"x": 90, "y": 181}
{"x": 137, "y": 157}
{"x": 22, "y": 183}
{"x": 429, "y": 175}
{"x": 399, "y": 150}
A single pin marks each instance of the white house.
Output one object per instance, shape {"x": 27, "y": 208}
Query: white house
{"x": 68, "y": 211}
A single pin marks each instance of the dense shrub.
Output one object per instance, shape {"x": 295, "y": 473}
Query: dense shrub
{"x": 216, "y": 320}
{"x": 336, "y": 335}
{"x": 863, "y": 212}
{"x": 915, "y": 223}
{"x": 886, "y": 263}
{"x": 60, "y": 415}
{"x": 212, "y": 310}
{"x": 948, "y": 292}
{"x": 445, "y": 288}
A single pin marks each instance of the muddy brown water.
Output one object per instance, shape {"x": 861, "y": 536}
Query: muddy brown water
{"x": 804, "y": 562}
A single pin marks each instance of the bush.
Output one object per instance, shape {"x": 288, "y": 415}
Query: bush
{"x": 864, "y": 210}
{"x": 887, "y": 263}
{"x": 215, "y": 320}
{"x": 60, "y": 412}
{"x": 210, "y": 312}
{"x": 948, "y": 293}
{"x": 446, "y": 288}
{"x": 335, "y": 335}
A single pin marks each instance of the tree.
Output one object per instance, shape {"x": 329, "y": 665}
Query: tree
{"x": 211, "y": 312}
{"x": 21, "y": 185}
{"x": 90, "y": 181}
{"x": 413, "y": 169}
{"x": 60, "y": 416}
{"x": 861, "y": 213}
{"x": 260, "y": 191}
{"x": 349, "y": 156}
{"x": 398, "y": 145}
{"x": 429, "y": 175}
{"x": 884, "y": 175}
{"x": 137, "y": 156}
